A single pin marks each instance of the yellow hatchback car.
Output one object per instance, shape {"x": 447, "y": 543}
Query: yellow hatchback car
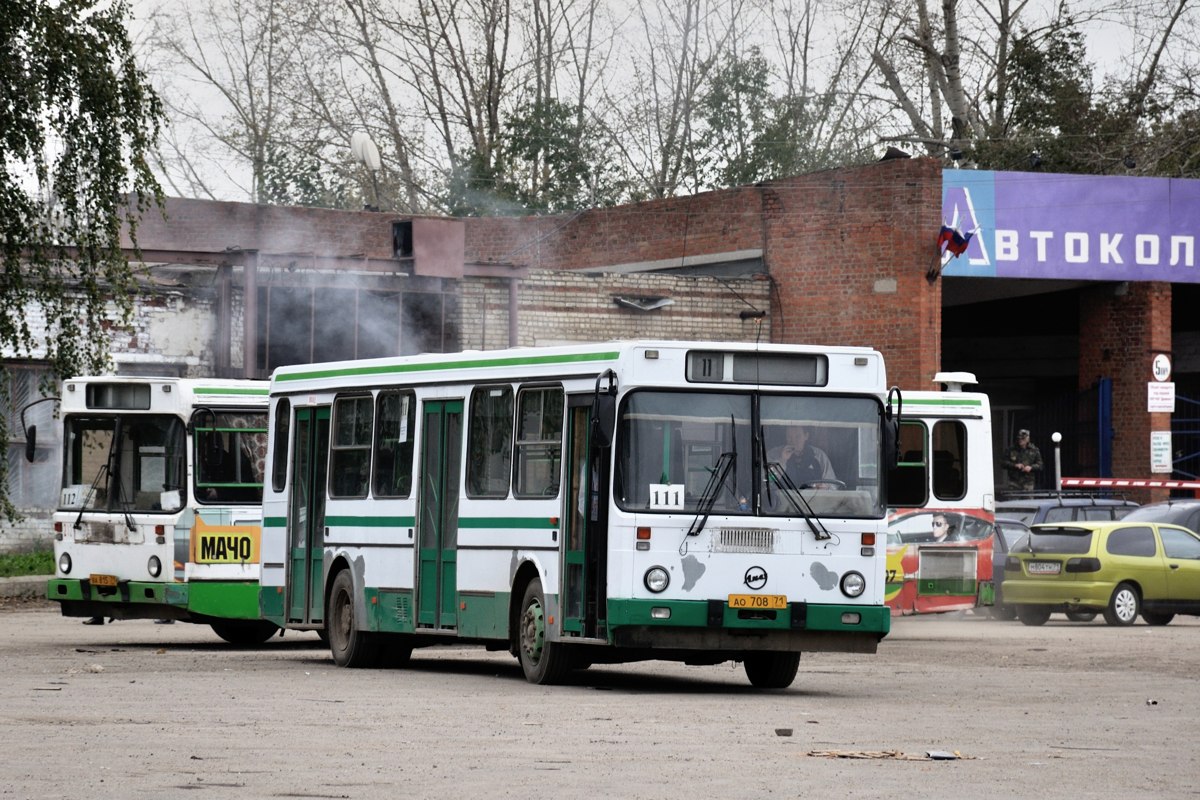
{"x": 1118, "y": 569}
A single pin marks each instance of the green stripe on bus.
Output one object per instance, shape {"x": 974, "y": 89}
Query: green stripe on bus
{"x": 949, "y": 401}
{"x": 508, "y": 522}
{"x": 370, "y": 522}
{"x": 219, "y": 390}
{"x": 393, "y": 369}
{"x": 274, "y": 522}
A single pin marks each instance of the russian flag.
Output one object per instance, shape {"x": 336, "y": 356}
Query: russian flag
{"x": 953, "y": 242}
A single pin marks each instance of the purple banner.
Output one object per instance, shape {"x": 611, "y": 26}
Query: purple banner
{"x": 1073, "y": 227}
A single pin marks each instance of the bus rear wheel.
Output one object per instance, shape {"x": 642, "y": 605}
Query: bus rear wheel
{"x": 350, "y": 646}
{"x": 771, "y": 670}
{"x": 244, "y": 632}
{"x": 543, "y": 661}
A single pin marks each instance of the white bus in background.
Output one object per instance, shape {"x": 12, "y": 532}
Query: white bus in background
{"x": 942, "y": 486}
{"x": 580, "y": 504}
{"x": 159, "y": 512}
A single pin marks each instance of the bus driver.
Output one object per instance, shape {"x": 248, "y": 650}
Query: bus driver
{"x": 805, "y": 464}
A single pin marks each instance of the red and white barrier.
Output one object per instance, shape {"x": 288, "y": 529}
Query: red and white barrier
{"x": 1128, "y": 483}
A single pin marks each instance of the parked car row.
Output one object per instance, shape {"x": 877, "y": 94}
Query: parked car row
{"x": 1086, "y": 557}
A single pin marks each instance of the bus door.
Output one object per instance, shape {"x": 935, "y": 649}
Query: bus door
{"x": 585, "y": 592}
{"x": 437, "y": 535}
{"x": 306, "y": 516}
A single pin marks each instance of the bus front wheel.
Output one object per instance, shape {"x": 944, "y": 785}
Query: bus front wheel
{"x": 543, "y": 661}
{"x": 351, "y": 647}
{"x": 771, "y": 670}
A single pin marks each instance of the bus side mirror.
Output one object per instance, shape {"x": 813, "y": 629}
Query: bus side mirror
{"x": 604, "y": 410}
{"x": 30, "y": 443}
{"x": 604, "y": 420}
{"x": 891, "y": 427}
{"x": 891, "y": 443}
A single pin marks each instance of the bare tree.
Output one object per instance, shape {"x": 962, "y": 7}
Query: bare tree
{"x": 653, "y": 123}
{"x": 228, "y": 62}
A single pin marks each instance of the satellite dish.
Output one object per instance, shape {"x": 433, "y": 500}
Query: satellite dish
{"x": 365, "y": 151}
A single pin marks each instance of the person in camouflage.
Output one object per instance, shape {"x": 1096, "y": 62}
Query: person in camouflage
{"x": 1023, "y": 462}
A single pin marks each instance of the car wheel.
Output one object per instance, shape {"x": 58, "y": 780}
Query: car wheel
{"x": 1033, "y": 615}
{"x": 1124, "y": 606}
{"x": 1157, "y": 619}
{"x": 1081, "y": 616}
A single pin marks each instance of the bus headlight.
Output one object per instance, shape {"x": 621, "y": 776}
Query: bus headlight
{"x": 657, "y": 579}
{"x": 154, "y": 567}
{"x": 64, "y": 564}
{"x": 853, "y": 584}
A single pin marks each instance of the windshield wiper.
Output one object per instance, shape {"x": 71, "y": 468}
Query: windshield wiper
{"x": 121, "y": 499}
{"x": 777, "y": 473}
{"x": 715, "y": 481}
{"x": 91, "y": 490}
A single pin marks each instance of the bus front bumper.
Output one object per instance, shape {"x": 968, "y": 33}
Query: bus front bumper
{"x": 713, "y": 626}
{"x": 149, "y": 600}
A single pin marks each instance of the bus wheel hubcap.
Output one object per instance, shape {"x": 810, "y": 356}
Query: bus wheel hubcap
{"x": 533, "y": 632}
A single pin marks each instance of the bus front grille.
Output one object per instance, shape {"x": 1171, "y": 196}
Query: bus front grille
{"x": 745, "y": 540}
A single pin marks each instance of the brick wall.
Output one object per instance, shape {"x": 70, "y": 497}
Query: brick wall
{"x": 1119, "y": 336}
{"x": 847, "y": 251}
{"x": 556, "y": 307}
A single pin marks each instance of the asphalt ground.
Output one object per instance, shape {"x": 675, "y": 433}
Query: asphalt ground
{"x": 1058, "y": 712}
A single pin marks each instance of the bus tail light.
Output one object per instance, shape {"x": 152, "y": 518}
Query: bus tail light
{"x": 643, "y": 538}
{"x": 868, "y": 539}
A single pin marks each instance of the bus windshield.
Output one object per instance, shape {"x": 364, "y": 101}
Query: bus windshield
{"x": 808, "y": 451}
{"x": 125, "y": 464}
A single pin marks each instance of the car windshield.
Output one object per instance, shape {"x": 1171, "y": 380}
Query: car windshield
{"x": 1060, "y": 541}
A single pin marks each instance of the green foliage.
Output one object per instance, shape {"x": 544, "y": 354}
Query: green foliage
{"x": 751, "y": 135}
{"x": 735, "y": 109}
{"x": 294, "y": 178}
{"x": 36, "y": 562}
{"x": 78, "y": 120}
{"x": 546, "y": 162}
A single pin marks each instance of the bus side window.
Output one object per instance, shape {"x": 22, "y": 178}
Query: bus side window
{"x": 489, "y": 442}
{"x": 539, "y": 442}
{"x": 907, "y": 481}
{"x": 395, "y": 415}
{"x": 350, "y": 460}
{"x": 949, "y": 445}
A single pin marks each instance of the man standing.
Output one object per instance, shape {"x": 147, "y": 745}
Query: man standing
{"x": 1023, "y": 462}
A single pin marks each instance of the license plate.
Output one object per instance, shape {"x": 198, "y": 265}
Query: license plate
{"x": 1044, "y": 567}
{"x": 102, "y": 580}
{"x": 758, "y": 601}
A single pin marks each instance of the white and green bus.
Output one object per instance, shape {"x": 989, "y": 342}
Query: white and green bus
{"x": 581, "y": 504}
{"x": 159, "y": 513}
